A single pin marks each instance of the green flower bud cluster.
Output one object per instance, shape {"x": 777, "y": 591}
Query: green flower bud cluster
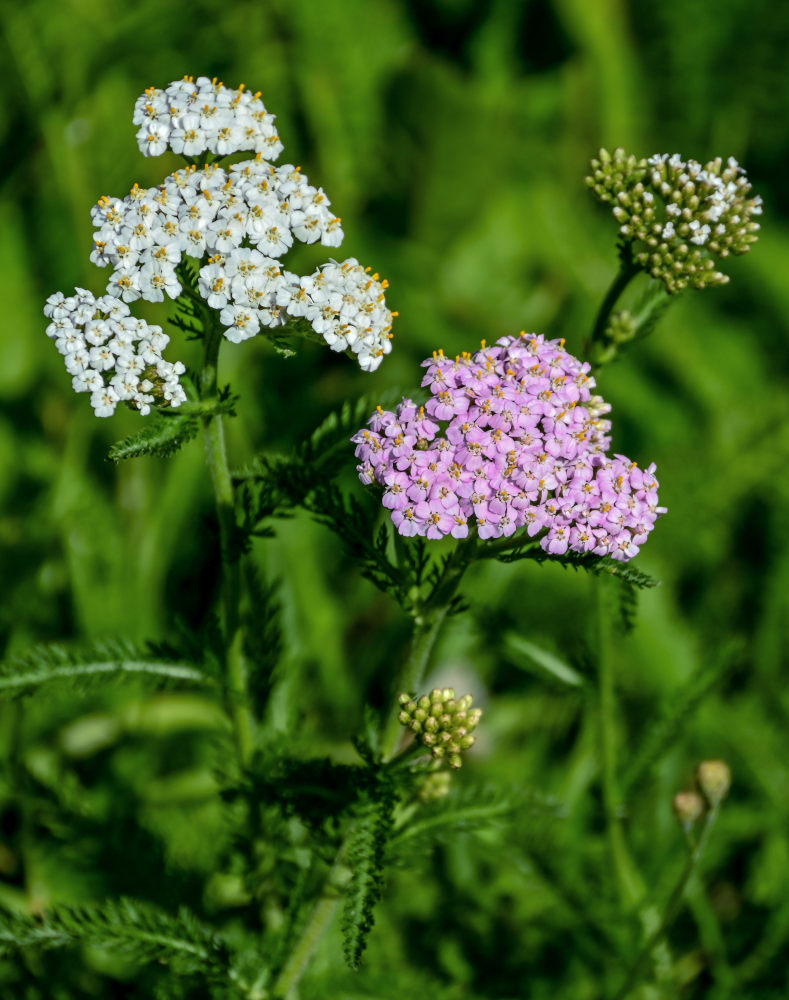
{"x": 441, "y": 722}
{"x": 679, "y": 219}
{"x": 435, "y": 786}
{"x": 615, "y": 173}
{"x": 621, "y": 327}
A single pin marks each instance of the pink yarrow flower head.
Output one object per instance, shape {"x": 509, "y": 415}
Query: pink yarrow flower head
{"x": 511, "y": 437}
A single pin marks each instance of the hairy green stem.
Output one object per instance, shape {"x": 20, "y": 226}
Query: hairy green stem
{"x": 423, "y": 639}
{"x": 627, "y": 271}
{"x": 216, "y": 456}
{"x": 672, "y": 907}
{"x": 427, "y": 624}
{"x": 320, "y": 918}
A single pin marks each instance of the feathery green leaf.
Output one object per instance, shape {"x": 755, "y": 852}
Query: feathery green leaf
{"x": 101, "y": 661}
{"x": 366, "y": 857}
{"x": 162, "y": 436}
{"x": 140, "y": 930}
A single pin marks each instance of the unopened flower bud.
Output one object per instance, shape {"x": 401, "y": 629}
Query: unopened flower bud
{"x": 714, "y": 780}
{"x": 442, "y": 723}
{"x": 688, "y": 808}
{"x": 435, "y": 786}
{"x": 621, "y": 327}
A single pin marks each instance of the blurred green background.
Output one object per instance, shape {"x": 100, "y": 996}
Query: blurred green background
{"x": 452, "y": 137}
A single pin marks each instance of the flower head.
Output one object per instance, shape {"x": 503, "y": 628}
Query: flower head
{"x": 194, "y": 116}
{"x": 112, "y": 355}
{"x": 243, "y": 219}
{"x": 512, "y": 437}
{"x": 681, "y": 219}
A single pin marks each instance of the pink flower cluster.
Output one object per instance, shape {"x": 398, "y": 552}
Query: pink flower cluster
{"x": 511, "y": 437}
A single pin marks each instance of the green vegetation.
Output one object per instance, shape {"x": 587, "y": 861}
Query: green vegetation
{"x": 454, "y": 137}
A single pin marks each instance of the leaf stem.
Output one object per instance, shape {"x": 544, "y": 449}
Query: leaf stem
{"x": 426, "y": 630}
{"x": 216, "y": 457}
{"x": 428, "y": 620}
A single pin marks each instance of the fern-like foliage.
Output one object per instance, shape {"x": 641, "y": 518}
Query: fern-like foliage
{"x": 161, "y": 436}
{"x": 366, "y": 856}
{"x": 466, "y": 810}
{"x": 263, "y": 638}
{"x": 599, "y": 566}
{"x": 319, "y": 792}
{"x": 98, "y": 662}
{"x": 169, "y": 430}
{"x": 141, "y": 931}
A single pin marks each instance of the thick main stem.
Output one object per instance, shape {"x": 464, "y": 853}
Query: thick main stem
{"x": 216, "y": 456}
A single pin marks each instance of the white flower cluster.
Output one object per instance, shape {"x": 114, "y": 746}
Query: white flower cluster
{"x": 251, "y": 289}
{"x": 192, "y": 117}
{"x": 347, "y": 307}
{"x": 244, "y": 218}
{"x": 718, "y": 194}
{"x": 112, "y": 355}
{"x": 144, "y": 236}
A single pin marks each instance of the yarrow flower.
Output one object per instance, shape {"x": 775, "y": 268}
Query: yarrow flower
{"x": 192, "y": 117}
{"x": 679, "y": 218}
{"x": 347, "y": 306}
{"x": 112, "y": 355}
{"x": 511, "y": 437}
{"x": 242, "y": 219}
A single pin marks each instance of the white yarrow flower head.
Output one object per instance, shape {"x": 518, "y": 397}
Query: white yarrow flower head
{"x": 679, "y": 218}
{"x": 191, "y": 117}
{"x": 346, "y": 305}
{"x": 111, "y": 355}
{"x": 238, "y": 223}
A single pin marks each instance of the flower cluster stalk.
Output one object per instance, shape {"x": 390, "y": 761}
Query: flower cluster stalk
{"x": 627, "y": 271}
{"x": 216, "y": 456}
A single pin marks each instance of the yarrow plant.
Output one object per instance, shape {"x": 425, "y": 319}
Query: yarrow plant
{"x": 509, "y": 457}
